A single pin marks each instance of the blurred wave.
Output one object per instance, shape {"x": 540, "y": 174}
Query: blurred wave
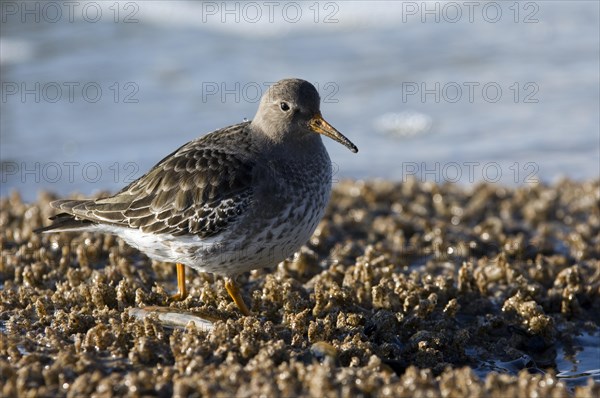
{"x": 423, "y": 94}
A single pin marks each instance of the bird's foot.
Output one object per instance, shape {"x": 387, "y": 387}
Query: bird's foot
{"x": 236, "y": 295}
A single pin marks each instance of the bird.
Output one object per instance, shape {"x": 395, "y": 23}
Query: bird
{"x": 239, "y": 198}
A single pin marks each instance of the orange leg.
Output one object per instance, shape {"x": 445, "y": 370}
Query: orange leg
{"x": 181, "y": 290}
{"x": 234, "y": 292}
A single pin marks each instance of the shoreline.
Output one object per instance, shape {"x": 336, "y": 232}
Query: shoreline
{"x": 405, "y": 288}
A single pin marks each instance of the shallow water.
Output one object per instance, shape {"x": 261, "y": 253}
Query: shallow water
{"x": 582, "y": 360}
{"x": 418, "y": 92}
{"x": 573, "y": 368}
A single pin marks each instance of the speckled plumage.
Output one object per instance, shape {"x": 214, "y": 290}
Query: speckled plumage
{"x": 242, "y": 197}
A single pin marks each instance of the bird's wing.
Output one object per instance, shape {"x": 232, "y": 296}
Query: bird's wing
{"x": 199, "y": 189}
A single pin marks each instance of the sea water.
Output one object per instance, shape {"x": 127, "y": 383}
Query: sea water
{"x": 95, "y": 93}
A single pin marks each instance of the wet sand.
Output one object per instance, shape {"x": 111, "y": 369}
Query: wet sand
{"x": 410, "y": 289}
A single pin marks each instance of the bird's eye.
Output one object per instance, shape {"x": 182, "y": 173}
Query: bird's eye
{"x": 284, "y": 106}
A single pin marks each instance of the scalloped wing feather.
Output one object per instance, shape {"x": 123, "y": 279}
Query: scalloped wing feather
{"x": 199, "y": 189}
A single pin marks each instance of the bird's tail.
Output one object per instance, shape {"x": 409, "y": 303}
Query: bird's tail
{"x": 66, "y": 221}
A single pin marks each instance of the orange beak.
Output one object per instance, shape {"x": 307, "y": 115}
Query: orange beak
{"x": 320, "y": 126}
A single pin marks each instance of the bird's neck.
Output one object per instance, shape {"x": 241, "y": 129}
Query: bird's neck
{"x": 288, "y": 143}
